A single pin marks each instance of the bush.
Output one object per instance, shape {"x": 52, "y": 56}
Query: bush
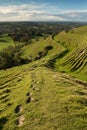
{"x": 43, "y": 52}
{"x": 10, "y": 57}
{"x": 47, "y": 48}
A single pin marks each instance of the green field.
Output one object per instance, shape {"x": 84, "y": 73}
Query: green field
{"x": 5, "y": 41}
{"x": 49, "y": 93}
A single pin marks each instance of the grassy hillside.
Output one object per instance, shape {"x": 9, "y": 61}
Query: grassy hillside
{"x": 75, "y": 61}
{"x": 49, "y": 93}
{"x": 33, "y": 49}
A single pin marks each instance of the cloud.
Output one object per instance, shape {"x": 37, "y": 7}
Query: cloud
{"x": 74, "y": 15}
{"x": 40, "y": 12}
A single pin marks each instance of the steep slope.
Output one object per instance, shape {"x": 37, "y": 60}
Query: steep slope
{"x": 75, "y": 61}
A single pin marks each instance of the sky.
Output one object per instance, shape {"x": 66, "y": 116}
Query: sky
{"x": 43, "y": 10}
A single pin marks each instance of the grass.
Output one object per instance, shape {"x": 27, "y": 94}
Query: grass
{"x": 5, "y": 41}
{"x": 75, "y": 61}
{"x": 57, "y": 102}
{"x": 52, "y": 98}
{"x": 33, "y": 49}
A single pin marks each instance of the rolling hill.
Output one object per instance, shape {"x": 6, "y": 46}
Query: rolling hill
{"x": 49, "y": 93}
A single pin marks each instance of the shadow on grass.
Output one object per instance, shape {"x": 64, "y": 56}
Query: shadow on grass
{"x": 3, "y": 122}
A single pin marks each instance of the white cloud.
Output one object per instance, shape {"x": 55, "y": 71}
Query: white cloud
{"x": 75, "y": 11}
{"x": 40, "y": 12}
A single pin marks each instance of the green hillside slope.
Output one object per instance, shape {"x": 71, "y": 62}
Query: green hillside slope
{"x": 49, "y": 93}
{"x": 75, "y": 61}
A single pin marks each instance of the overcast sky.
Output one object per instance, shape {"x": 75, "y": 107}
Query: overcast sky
{"x": 43, "y": 10}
